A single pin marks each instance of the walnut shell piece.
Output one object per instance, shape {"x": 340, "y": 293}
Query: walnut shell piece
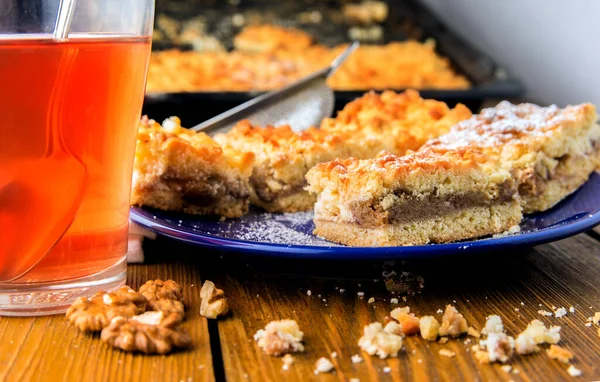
{"x": 94, "y": 313}
{"x": 150, "y": 334}
{"x": 214, "y": 303}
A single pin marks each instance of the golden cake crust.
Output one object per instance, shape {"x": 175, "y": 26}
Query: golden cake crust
{"x": 389, "y": 121}
{"x": 180, "y": 170}
{"x": 394, "y": 122}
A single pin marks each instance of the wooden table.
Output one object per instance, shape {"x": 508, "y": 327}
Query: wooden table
{"x": 512, "y": 285}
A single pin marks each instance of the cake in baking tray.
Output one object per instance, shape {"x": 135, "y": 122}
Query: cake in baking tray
{"x": 550, "y": 151}
{"x": 180, "y": 170}
{"x": 392, "y": 122}
{"x": 432, "y": 196}
{"x": 268, "y": 38}
{"x": 269, "y": 57}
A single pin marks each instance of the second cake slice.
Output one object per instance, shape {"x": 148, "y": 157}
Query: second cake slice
{"x": 433, "y": 196}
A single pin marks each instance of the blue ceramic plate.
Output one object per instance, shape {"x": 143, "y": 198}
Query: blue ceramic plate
{"x": 290, "y": 235}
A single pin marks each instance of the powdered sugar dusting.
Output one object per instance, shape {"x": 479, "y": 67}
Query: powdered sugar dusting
{"x": 279, "y": 229}
{"x": 507, "y": 124}
{"x": 289, "y": 228}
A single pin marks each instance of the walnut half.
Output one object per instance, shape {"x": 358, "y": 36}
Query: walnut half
{"x": 164, "y": 296}
{"x": 94, "y": 313}
{"x": 214, "y": 303}
{"x": 150, "y": 333}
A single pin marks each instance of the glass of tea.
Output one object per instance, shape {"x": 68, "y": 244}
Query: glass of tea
{"x": 69, "y": 112}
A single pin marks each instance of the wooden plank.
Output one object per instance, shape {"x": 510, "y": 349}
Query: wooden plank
{"x": 559, "y": 274}
{"x": 48, "y": 348}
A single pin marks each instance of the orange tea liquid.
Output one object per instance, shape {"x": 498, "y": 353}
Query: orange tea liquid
{"x": 69, "y": 113}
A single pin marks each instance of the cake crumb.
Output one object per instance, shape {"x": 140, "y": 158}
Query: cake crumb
{"x": 280, "y": 337}
{"x": 356, "y": 358}
{"x": 574, "y": 372}
{"x": 360, "y": 294}
{"x": 447, "y": 353}
{"x": 500, "y": 347}
{"x": 429, "y": 328}
{"x": 371, "y": 300}
{"x": 453, "y": 323}
{"x": 308, "y": 292}
{"x": 288, "y": 360}
{"x": 376, "y": 341}
{"x": 493, "y": 324}
{"x": 559, "y": 353}
{"x": 393, "y": 300}
{"x": 443, "y": 340}
{"x": 334, "y": 355}
{"x": 408, "y": 321}
{"x": 536, "y": 333}
{"x": 571, "y": 310}
{"x": 596, "y": 318}
{"x": 506, "y": 368}
{"x": 393, "y": 327}
{"x": 387, "y": 369}
{"x": 545, "y": 313}
{"x": 439, "y": 311}
{"x": 560, "y": 312}
{"x": 323, "y": 365}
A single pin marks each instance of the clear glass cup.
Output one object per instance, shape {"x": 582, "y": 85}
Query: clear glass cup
{"x": 69, "y": 116}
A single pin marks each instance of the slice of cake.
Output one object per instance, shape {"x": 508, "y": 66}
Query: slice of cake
{"x": 180, "y": 170}
{"x": 282, "y": 159}
{"x": 548, "y": 150}
{"x": 391, "y": 122}
{"x": 433, "y": 196}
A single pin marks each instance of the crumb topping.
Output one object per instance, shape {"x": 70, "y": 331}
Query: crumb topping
{"x": 512, "y": 124}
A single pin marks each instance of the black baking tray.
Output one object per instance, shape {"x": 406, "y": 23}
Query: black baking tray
{"x": 408, "y": 19}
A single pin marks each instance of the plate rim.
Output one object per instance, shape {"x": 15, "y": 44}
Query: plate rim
{"x": 557, "y": 232}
